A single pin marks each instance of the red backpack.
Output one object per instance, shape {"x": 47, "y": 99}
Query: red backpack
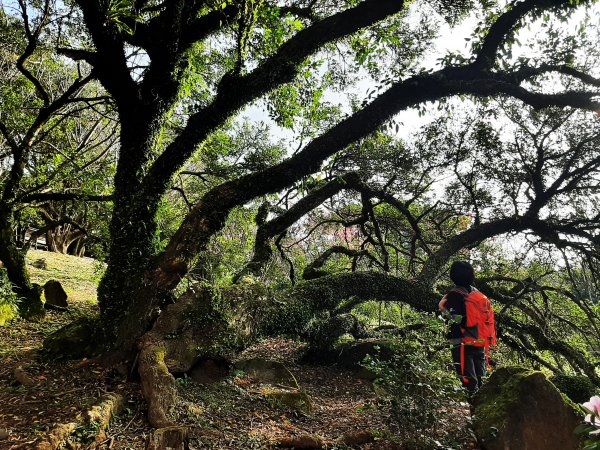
{"x": 480, "y": 329}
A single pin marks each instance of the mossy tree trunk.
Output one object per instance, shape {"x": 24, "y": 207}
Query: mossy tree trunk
{"x": 133, "y": 229}
{"x": 30, "y": 304}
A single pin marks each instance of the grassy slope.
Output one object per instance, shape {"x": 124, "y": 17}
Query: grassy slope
{"x": 78, "y": 276}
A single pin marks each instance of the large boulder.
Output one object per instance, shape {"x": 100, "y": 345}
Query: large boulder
{"x": 351, "y": 355}
{"x": 55, "y": 295}
{"x": 519, "y": 409}
{"x": 75, "y": 340}
{"x": 210, "y": 370}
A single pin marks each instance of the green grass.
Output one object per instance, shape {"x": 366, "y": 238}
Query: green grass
{"x": 78, "y": 276}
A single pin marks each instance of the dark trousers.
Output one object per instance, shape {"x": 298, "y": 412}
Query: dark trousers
{"x": 474, "y": 362}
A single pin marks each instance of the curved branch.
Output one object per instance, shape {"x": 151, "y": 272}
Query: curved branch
{"x": 267, "y": 230}
{"x": 236, "y": 91}
{"x": 543, "y": 342}
{"x": 512, "y": 343}
{"x": 64, "y": 196}
{"x": 209, "y": 214}
{"x": 503, "y": 26}
{"x": 32, "y": 42}
{"x": 311, "y": 271}
{"x": 528, "y": 72}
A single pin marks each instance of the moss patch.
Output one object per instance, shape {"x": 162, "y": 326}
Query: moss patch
{"x": 498, "y": 396}
{"x": 7, "y": 312}
{"x": 288, "y": 399}
{"x": 577, "y": 388}
{"x": 75, "y": 340}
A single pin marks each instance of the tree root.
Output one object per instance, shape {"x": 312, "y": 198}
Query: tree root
{"x": 97, "y": 418}
{"x": 158, "y": 385}
{"x": 187, "y": 331}
{"x": 57, "y": 436}
{"x": 176, "y": 438}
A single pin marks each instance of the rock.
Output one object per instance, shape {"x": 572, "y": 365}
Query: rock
{"x": 40, "y": 264}
{"x": 210, "y": 370}
{"x": 3, "y": 434}
{"x": 267, "y": 371}
{"x": 55, "y": 294}
{"x": 350, "y": 355}
{"x": 23, "y": 377}
{"x": 578, "y": 388}
{"x": 169, "y": 438}
{"x": 75, "y": 340}
{"x": 289, "y": 399}
{"x": 519, "y": 409}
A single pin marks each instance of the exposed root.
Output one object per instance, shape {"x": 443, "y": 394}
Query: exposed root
{"x": 158, "y": 385}
{"x": 184, "y": 333}
{"x": 97, "y": 417}
{"x": 57, "y": 436}
{"x": 102, "y": 413}
{"x": 175, "y": 438}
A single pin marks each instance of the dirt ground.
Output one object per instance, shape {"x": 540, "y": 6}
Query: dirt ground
{"x": 233, "y": 413}
{"x": 230, "y": 414}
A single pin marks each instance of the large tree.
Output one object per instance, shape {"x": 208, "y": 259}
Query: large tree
{"x": 242, "y": 51}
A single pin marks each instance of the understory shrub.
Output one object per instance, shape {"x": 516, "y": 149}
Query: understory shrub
{"x": 415, "y": 384}
{"x": 8, "y": 299}
{"x": 577, "y": 387}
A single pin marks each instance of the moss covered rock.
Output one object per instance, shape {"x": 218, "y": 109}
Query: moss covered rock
{"x": 78, "y": 339}
{"x": 351, "y": 355}
{"x": 519, "y": 409}
{"x": 294, "y": 399}
{"x": 267, "y": 371}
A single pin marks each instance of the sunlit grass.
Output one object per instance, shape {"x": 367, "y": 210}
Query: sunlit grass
{"x": 78, "y": 276}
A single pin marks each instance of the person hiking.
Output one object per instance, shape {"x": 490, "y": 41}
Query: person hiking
{"x": 472, "y": 331}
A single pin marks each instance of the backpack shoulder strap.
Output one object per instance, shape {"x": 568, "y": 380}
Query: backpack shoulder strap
{"x": 460, "y": 290}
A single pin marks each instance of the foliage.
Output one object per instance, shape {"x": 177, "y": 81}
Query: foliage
{"x": 8, "y": 299}
{"x": 577, "y": 388}
{"x": 416, "y": 382}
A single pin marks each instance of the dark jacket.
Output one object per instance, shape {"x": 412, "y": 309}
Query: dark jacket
{"x": 455, "y": 304}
